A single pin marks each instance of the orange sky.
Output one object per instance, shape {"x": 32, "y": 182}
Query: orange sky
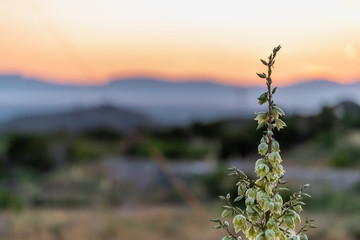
{"x": 88, "y": 41}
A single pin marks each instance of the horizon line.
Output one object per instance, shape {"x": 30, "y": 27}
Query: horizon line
{"x": 169, "y": 79}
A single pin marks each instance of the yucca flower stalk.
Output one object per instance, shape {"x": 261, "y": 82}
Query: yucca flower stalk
{"x": 266, "y": 216}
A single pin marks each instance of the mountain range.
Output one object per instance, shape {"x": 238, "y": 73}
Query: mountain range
{"x": 102, "y": 117}
{"x": 163, "y": 101}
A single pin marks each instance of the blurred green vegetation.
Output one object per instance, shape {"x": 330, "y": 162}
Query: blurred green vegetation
{"x": 345, "y": 156}
{"x": 30, "y": 151}
{"x": 217, "y": 140}
{"x": 175, "y": 149}
{"x": 64, "y": 169}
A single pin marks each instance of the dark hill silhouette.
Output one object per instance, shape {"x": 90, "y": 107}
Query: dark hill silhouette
{"x": 167, "y": 102}
{"x": 108, "y": 117}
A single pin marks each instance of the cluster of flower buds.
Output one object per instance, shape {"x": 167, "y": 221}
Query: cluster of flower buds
{"x": 267, "y": 216}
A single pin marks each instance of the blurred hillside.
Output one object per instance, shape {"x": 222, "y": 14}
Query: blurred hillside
{"x": 166, "y": 102}
{"x": 116, "y": 170}
{"x": 109, "y": 117}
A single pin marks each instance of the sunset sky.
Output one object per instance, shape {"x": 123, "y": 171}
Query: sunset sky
{"x": 88, "y": 41}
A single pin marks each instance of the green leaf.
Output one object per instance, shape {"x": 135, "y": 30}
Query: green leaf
{"x": 241, "y": 173}
{"x": 226, "y": 213}
{"x": 262, "y": 98}
{"x": 261, "y": 125}
{"x": 307, "y": 195}
{"x": 264, "y": 62}
{"x": 274, "y": 90}
{"x": 261, "y": 75}
{"x": 312, "y": 226}
{"x": 215, "y": 220}
{"x": 217, "y": 226}
{"x": 238, "y": 198}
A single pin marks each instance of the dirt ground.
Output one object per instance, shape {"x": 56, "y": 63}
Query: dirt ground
{"x": 150, "y": 223}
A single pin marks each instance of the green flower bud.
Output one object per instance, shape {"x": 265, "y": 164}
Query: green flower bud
{"x": 269, "y": 234}
{"x": 262, "y": 170}
{"x": 250, "y": 211}
{"x": 260, "y": 236}
{"x": 262, "y": 148}
{"x": 261, "y": 117}
{"x": 289, "y": 221}
{"x": 303, "y": 236}
{"x": 242, "y": 189}
{"x": 277, "y": 207}
{"x": 249, "y": 201}
{"x": 251, "y": 192}
{"x": 275, "y": 146}
{"x": 239, "y": 223}
{"x": 264, "y": 139}
{"x": 278, "y": 110}
{"x": 298, "y": 208}
{"x": 226, "y": 213}
{"x": 278, "y": 198}
{"x": 279, "y": 124}
{"x": 274, "y": 157}
{"x": 228, "y": 238}
{"x": 272, "y": 224}
{"x": 261, "y": 183}
{"x": 251, "y": 233}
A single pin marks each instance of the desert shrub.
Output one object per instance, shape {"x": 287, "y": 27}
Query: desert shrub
{"x": 340, "y": 202}
{"x": 216, "y": 182}
{"x": 345, "y": 156}
{"x": 29, "y": 151}
{"x": 325, "y": 139}
{"x": 85, "y": 150}
{"x": 357, "y": 187}
{"x": 9, "y": 200}
{"x": 103, "y": 134}
{"x": 176, "y": 149}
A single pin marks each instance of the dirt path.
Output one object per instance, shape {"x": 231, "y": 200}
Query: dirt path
{"x": 319, "y": 178}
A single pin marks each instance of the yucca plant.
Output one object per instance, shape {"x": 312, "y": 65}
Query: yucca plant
{"x": 266, "y": 215}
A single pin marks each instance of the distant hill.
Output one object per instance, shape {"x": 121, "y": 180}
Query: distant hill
{"x": 107, "y": 117}
{"x": 164, "y": 101}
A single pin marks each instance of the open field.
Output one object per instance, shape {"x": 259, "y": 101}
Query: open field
{"x": 150, "y": 223}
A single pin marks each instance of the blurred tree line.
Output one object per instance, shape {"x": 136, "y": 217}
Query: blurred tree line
{"x": 217, "y": 140}
{"x": 33, "y": 158}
